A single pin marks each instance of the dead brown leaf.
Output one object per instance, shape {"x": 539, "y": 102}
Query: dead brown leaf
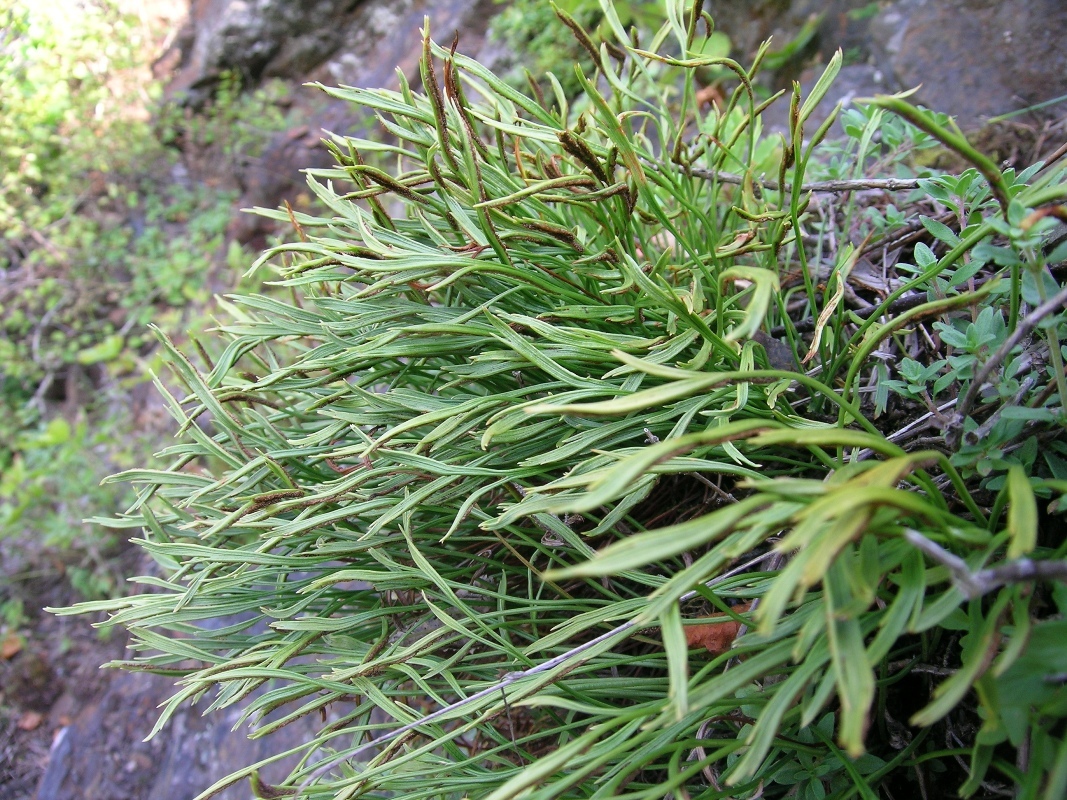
{"x": 11, "y": 646}
{"x": 710, "y": 95}
{"x": 715, "y": 637}
{"x": 30, "y": 720}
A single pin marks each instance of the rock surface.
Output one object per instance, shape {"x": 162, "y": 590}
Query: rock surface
{"x": 972, "y": 59}
{"x": 101, "y": 755}
{"x": 976, "y": 59}
{"x": 336, "y": 41}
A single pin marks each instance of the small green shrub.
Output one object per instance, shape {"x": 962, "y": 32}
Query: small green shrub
{"x": 78, "y": 220}
{"x": 534, "y": 422}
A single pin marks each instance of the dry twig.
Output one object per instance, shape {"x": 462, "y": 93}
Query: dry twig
{"x": 976, "y": 584}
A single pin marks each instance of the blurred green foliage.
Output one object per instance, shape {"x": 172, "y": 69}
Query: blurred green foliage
{"x": 104, "y": 227}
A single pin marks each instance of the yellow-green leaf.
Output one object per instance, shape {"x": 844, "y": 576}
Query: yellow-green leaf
{"x": 1022, "y": 513}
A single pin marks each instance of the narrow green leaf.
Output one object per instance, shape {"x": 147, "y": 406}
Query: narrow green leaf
{"x": 822, "y": 86}
{"x": 1022, "y": 513}
{"x": 977, "y": 655}
{"x": 677, "y": 651}
{"x": 855, "y": 680}
{"x": 662, "y": 543}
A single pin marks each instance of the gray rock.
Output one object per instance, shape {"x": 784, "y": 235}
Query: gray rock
{"x": 975, "y": 59}
{"x": 102, "y": 755}
{"x": 356, "y": 42}
{"x": 254, "y": 39}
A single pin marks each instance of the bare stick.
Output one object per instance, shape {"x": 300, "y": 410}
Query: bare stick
{"x": 888, "y": 185}
{"x": 976, "y": 584}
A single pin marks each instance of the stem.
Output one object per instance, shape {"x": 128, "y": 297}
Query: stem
{"x": 976, "y": 584}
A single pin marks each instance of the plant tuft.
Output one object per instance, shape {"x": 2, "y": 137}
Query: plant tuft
{"x": 609, "y": 446}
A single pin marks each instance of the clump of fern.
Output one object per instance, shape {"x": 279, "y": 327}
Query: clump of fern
{"x": 559, "y": 475}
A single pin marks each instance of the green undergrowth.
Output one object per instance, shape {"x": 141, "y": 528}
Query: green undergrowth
{"x": 106, "y": 224}
{"x": 608, "y": 447}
